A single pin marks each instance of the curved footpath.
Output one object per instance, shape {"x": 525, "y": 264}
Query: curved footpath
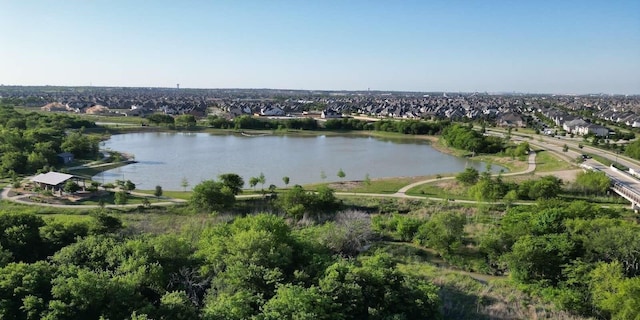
{"x": 530, "y": 168}
{"x": 171, "y": 201}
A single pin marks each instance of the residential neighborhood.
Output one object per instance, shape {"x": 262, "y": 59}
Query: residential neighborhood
{"x": 573, "y": 114}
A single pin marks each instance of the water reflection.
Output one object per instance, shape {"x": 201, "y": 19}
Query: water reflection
{"x": 166, "y": 158}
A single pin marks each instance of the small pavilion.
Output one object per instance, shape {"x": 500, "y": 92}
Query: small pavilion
{"x": 53, "y": 181}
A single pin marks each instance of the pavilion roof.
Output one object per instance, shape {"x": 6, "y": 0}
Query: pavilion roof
{"x": 52, "y": 178}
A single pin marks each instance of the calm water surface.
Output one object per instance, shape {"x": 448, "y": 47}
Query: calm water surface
{"x": 166, "y": 158}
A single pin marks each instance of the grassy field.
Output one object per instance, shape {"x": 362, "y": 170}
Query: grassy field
{"x": 512, "y": 165}
{"x": 184, "y": 195}
{"x": 547, "y": 161}
{"x": 110, "y": 199}
{"x": 445, "y": 189}
{"x": 384, "y": 186}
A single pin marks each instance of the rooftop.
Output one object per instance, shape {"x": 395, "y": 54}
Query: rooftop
{"x": 52, "y": 178}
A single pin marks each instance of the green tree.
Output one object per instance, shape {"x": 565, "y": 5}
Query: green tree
{"x": 297, "y": 302}
{"x": 633, "y": 149}
{"x": 442, "y": 232}
{"x": 57, "y": 234}
{"x": 237, "y": 305}
{"x": 510, "y": 198}
{"x": 25, "y": 290}
{"x": 592, "y": 182}
{"x": 71, "y": 187}
{"x": 540, "y": 258}
{"x": 158, "y": 118}
{"x": 469, "y": 176}
{"x": 293, "y": 201}
{"x": 232, "y": 181}
{"x": 323, "y": 175}
{"x": 81, "y": 145}
{"x": 20, "y": 235}
{"x": 210, "y": 196}
{"x": 184, "y": 184}
{"x": 377, "y": 290}
{"x": 262, "y": 180}
{"x": 121, "y": 198}
{"x": 545, "y": 188}
{"x": 176, "y": 305}
{"x": 251, "y": 254}
{"x": 90, "y": 294}
{"x": 253, "y": 182}
{"x": 615, "y": 294}
{"x": 488, "y": 189}
{"x": 607, "y": 239}
{"x": 35, "y": 161}
{"x": 129, "y": 186}
{"x": 186, "y": 121}
{"x": 158, "y": 192}
{"x": 407, "y": 227}
{"x": 285, "y": 179}
{"x": 341, "y": 174}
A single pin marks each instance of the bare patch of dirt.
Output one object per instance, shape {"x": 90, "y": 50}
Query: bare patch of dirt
{"x": 565, "y": 175}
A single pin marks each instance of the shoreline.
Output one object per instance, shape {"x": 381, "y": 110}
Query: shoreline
{"x": 434, "y": 142}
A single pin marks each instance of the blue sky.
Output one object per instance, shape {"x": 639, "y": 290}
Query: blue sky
{"x": 494, "y": 46}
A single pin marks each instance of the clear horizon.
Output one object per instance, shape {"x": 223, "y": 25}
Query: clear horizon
{"x": 542, "y": 47}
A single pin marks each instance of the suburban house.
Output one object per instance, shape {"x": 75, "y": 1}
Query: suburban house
{"x": 271, "y": 111}
{"x": 511, "y": 119}
{"x": 53, "y": 181}
{"x": 595, "y": 129}
{"x": 571, "y": 126}
{"x": 65, "y": 157}
{"x": 330, "y": 113}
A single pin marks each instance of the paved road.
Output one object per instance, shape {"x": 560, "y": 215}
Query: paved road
{"x": 556, "y": 146}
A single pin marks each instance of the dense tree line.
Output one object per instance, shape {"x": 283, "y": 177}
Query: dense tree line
{"x": 485, "y": 187}
{"x": 411, "y": 126}
{"x": 633, "y": 149}
{"x": 465, "y": 138}
{"x": 347, "y": 124}
{"x": 561, "y": 250}
{"x": 257, "y": 267}
{"x": 31, "y": 141}
{"x": 253, "y": 123}
{"x": 582, "y": 257}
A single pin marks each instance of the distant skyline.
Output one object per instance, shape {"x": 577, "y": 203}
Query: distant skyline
{"x": 564, "y": 47}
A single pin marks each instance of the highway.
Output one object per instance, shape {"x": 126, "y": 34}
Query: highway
{"x": 624, "y": 182}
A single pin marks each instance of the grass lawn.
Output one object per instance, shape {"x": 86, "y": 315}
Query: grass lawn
{"x": 384, "y": 186}
{"x": 513, "y": 165}
{"x": 600, "y": 159}
{"x": 547, "y": 161}
{"x": 112, "y": 119}
{"x": 110, "y": 199}
{"x": 445, "y": 189}
{"x": 184, "y": 195}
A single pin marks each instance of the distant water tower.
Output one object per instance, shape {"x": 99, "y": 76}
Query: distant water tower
{"x": 178, "y": 86}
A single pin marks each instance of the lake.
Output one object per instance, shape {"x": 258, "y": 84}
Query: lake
{"x": 165, "y": 159}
